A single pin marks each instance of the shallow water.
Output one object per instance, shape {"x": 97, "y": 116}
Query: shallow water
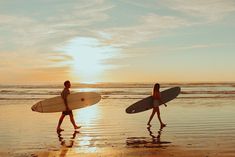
{"x": 201, "y": 118}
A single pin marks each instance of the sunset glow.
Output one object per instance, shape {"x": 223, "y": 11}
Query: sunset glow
{"x": 117, "y": 41}
{"x": 88, "y": 59}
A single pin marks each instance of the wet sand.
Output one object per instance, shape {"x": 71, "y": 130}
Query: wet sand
{"x": 134, "y": 152}
{"x": 202, "y": 127}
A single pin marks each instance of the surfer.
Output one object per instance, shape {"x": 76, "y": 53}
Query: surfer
{"x": 64, "y": 95}
{"x": 156, "y": 101}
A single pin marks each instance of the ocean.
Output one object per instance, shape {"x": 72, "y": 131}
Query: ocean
{"x": 201, "y": 118}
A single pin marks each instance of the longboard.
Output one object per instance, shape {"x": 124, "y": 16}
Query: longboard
{"x": 75, "y": 101}
{"x": 147, "y": 103}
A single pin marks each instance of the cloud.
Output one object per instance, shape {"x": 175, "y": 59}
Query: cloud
{"x": 150, "y": 26}
{"x": 204, "y": 10}
{"x": 59, "y": 58}
{"x": 197, "y": 46}
{"x": 141, "y": 3}
{"x": 54, "y": 23}
{"x": 31, "y": 30}
{"x": 168, "y": 15}
{"x": 201, "y": 46}
{"x": 25, "y": 66}
{"x": 209, "y": 10}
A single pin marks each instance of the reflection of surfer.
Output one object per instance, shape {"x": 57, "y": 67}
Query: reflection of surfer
{"x": 157, "y": 139}
{"x": 154, "y": 138}
{"x": 156, "y": 101}
{"x": 61, "y": 139}
{"x": 65, "y": 148}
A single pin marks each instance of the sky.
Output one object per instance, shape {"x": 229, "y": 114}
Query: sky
{"x": 89, "y": 41}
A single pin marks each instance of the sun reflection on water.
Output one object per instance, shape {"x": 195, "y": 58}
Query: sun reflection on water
{"x": 85, "y": 141}
{"x": 86, "y": 150}
{"x": 87, "y": 116}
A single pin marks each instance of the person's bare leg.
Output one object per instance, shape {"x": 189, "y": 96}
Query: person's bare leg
{"x": 159, "y": 117}
{"x": 73, "y": 122}
{"x": 60, "y": 122}
{"x": 151, "y": 117}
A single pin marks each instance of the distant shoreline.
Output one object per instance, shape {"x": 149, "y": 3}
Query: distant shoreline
{"x": 100, "y": 84}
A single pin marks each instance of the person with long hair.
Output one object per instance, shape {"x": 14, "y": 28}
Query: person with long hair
{"x": 156, "y": 102}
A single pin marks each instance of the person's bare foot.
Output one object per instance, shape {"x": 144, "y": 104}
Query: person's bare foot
{"x": 77, "y": 127}
{"x": 59, "y": 129}
{"x": 163, "y": 125}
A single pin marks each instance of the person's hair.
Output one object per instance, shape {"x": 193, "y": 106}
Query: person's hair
{"x": 156, "y": 87}
{"x": 66, "y": 82}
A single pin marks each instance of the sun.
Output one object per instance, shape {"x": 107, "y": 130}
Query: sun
{"x": 89, "y": 58}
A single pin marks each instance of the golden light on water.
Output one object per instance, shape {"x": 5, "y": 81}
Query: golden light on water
{"x": 89, "y": 59}
{"x": 85, "y": 141}
{"x": 87, "y": 150}
{"x": 86, "y": 116}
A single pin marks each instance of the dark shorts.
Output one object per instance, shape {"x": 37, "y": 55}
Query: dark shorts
{"x": 67, "y": 112}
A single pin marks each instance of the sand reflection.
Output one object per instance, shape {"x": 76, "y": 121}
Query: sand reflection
{"x": 88, "y": 115}
{"x": 75, "y": 145}
{"x": 66, "y": 145}
{"x": 154, "y": 141}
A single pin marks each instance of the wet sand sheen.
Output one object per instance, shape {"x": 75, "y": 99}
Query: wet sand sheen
{"x": 202, "y": 128}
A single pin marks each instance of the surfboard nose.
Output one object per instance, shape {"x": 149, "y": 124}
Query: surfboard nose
{"x": 33, "y": 108}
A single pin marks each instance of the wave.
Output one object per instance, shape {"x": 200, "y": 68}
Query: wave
{"x": 22, "y": 98}
{"x": 15, "y": 92}
{"x": 120, "y": 85}
{"x": 26, "y": 92}
{"x": 126, "y": 97}
{"x": 207, "y": 92}
{"x": 118, "y": 91}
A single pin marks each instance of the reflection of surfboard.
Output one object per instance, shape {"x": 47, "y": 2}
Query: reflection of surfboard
{"x": 147, "y": 103}
{"x": 75, "y": 101}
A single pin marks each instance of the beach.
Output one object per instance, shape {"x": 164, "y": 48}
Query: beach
{"x": 200, "y": 122}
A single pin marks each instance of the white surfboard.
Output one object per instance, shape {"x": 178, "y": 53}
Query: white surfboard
{"x": 147, "y": 103}
{"x": 75, "y": 101}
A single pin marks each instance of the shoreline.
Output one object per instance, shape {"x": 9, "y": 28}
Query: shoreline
{"x": 195, "y": 127}
{"x": 134, "y": 152}
{"x": 168, "y": 151}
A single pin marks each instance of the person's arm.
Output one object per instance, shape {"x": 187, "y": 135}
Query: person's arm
{"x": 165, "y": 105}
{"x": 65, "y": 100}
{"x": 66, "y": 103}
{"x": 160, "y": 99}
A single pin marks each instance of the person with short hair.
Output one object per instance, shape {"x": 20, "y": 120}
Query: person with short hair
{"x": 64, "y": 95}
